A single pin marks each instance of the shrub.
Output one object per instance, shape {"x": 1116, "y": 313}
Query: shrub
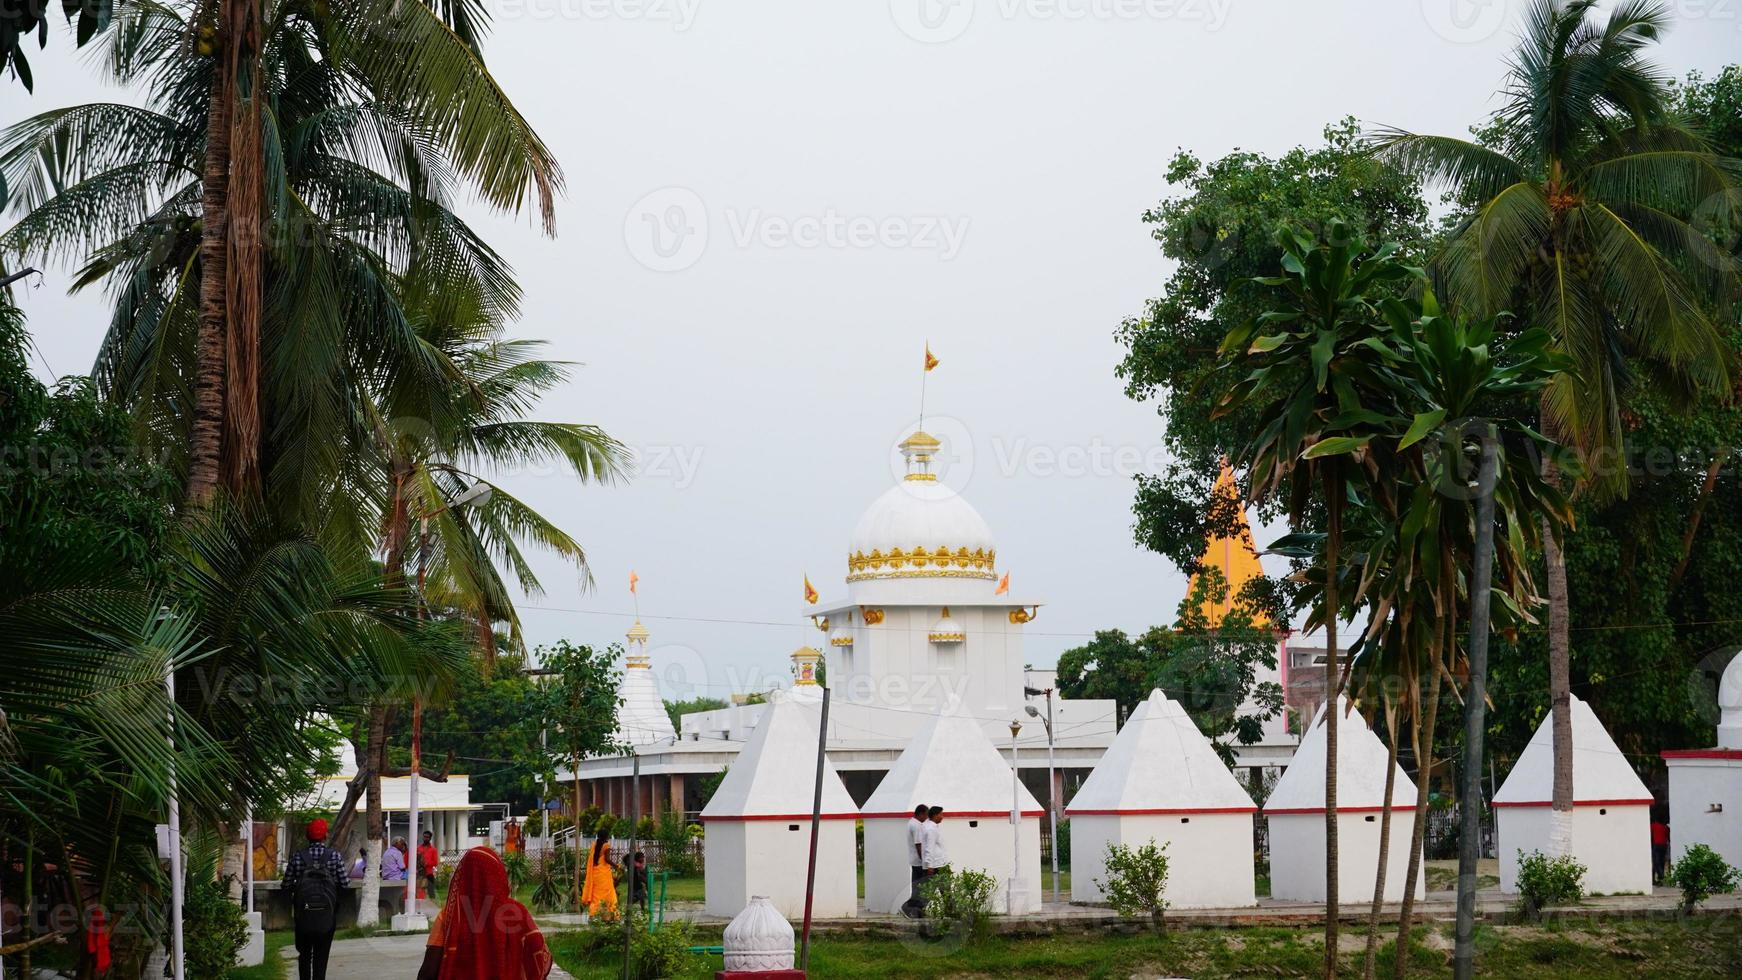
{"x": 519, "y": 870}
{"x": 1063, "y": 844}
{"x": 213, "y": 927}
{"x": 1136, "y": 882}
{"x": 662, "y": 952}
{"x": 961, "y": 899}
{"x": 673, "y": 836}
{"x": 1545, "y": 881}
{"x": 1702, "y": 873}
{"x": 553, "y": 883}
{"x": 603, "y": 825}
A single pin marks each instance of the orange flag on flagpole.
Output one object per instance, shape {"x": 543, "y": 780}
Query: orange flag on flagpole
{"x": 1003, "y": 585}
{"x": 810, "y": 592}
{"x": 633, "y": 578}
{"x": 930, "y": 360}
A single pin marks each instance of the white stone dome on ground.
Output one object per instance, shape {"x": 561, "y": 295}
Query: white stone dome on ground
{"x": 920, "y": 528}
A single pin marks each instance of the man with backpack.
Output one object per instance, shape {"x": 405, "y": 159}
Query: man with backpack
{"x": 313, "y": 879}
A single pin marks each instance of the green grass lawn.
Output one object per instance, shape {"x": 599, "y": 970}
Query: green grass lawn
{"x": 275, "y": 966}
{"x": 1702, "y": 947}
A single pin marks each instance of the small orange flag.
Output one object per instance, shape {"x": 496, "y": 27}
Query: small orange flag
{"x": 810, "y": 592}
{"x": 633, "y": 578}
{"x": 1003, "y": 585}
{"x": 930, "y": 360}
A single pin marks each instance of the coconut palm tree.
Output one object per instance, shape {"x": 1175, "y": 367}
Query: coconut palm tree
{"x": 358, "y": 192}
{"x": 211, "y": 179}
{"x": 1585, "y": 215}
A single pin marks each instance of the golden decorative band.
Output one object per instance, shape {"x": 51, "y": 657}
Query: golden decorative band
{"x": 942, "y": 557}
{"x": 922, "y": 573}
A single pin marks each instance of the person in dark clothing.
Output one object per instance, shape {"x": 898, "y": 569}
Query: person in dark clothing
{"x": 914, "y": 907}
{"x": 638, "y": 880}
{"x": 1659, "y": 850}
{"x": 313, "y": 877}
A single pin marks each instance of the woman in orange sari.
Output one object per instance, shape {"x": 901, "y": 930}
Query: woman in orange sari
{"x": 482, "y": 933}
{"x": 600, "y": 888}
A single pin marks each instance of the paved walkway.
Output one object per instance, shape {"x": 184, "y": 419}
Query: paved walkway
{"x": 381, "y": 958}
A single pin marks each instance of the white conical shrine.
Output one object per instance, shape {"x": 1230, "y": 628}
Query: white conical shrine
{"x": 950, "y": 763}
{"x": 1611, "y": 808}
{"x": 1161, "y": 780}
{"x": 1705, "y": 785}
{"x": 759, "y": 820}
{"x": 1295, "y": 812}
{"x": 641, "y": 717}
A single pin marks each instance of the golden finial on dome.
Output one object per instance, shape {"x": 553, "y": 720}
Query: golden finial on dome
{"x": 919, "y": 449}
{"x": 638, "y": 636}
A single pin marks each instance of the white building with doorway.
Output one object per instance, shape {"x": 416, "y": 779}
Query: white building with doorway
{"x": 1705, "y": 785}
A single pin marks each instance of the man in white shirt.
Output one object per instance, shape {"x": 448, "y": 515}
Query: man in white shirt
{"x": 937, "y": 856}
{"x": 914, "y": 907}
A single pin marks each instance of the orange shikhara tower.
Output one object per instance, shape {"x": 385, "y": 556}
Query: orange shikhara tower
{"x": 1232, "y": 554}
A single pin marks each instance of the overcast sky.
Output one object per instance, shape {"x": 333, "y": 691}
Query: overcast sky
{"x": 773, "y": 204}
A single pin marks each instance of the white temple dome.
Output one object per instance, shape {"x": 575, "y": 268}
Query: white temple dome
{"x": 920, "y": 528}
{"x": 1730, "y": 705}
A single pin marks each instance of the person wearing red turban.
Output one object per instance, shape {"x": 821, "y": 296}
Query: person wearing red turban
{"x": 482, "y": 933}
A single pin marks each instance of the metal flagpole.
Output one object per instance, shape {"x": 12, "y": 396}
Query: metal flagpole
{"x": 810, "y": 877}
{"x": 1015, "y": 824}
{"x": 177, "y": 886}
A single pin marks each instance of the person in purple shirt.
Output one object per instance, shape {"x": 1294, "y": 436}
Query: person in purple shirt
{"x": 392, "y": 864}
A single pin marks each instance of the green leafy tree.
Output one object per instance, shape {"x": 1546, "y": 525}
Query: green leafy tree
{"x": 1584, "y": 215}
{"x": 579, "y": 700}
{"x": 1220, "y": 233}
{"x": 1211, "y": 666}
{"x": 1308, "y": 373}
{"x": 677, "y": 709}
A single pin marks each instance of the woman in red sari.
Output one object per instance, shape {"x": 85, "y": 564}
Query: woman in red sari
{"x": 482, "y": 933}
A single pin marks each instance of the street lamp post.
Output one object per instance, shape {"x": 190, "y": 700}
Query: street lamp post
{"x": 1052, "y": 803}
{"x": 1015, "y": 887}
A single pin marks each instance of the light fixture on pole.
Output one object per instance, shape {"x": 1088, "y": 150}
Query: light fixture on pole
{"x": 1014, "y": 891}
{"x": 1052, "y": 802}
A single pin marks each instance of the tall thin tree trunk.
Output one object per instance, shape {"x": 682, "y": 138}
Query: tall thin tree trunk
{"x": 1560, "y": 689}
{"x": 1333, "y": 543}
{"x": 1367, "y": 963}
{"x": 206, "y": 438}
{"x": 246, "y": 216}
{"x": 1424, "y": 755}
{"x": 369, "y": 898}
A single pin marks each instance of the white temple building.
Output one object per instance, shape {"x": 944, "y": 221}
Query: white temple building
{"x": 951, "y": 763}
{"x": 1162, "y": 780}
{"x": 1296, "y": 814}
{"x": 759, "y": 822}
{"x": 921, "y": 625}
{"x": 444, "y": 808}
{"x": 1705, "y": 785}
{"x": 641, "y": 717}
{"x": 1611, "y": 829}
